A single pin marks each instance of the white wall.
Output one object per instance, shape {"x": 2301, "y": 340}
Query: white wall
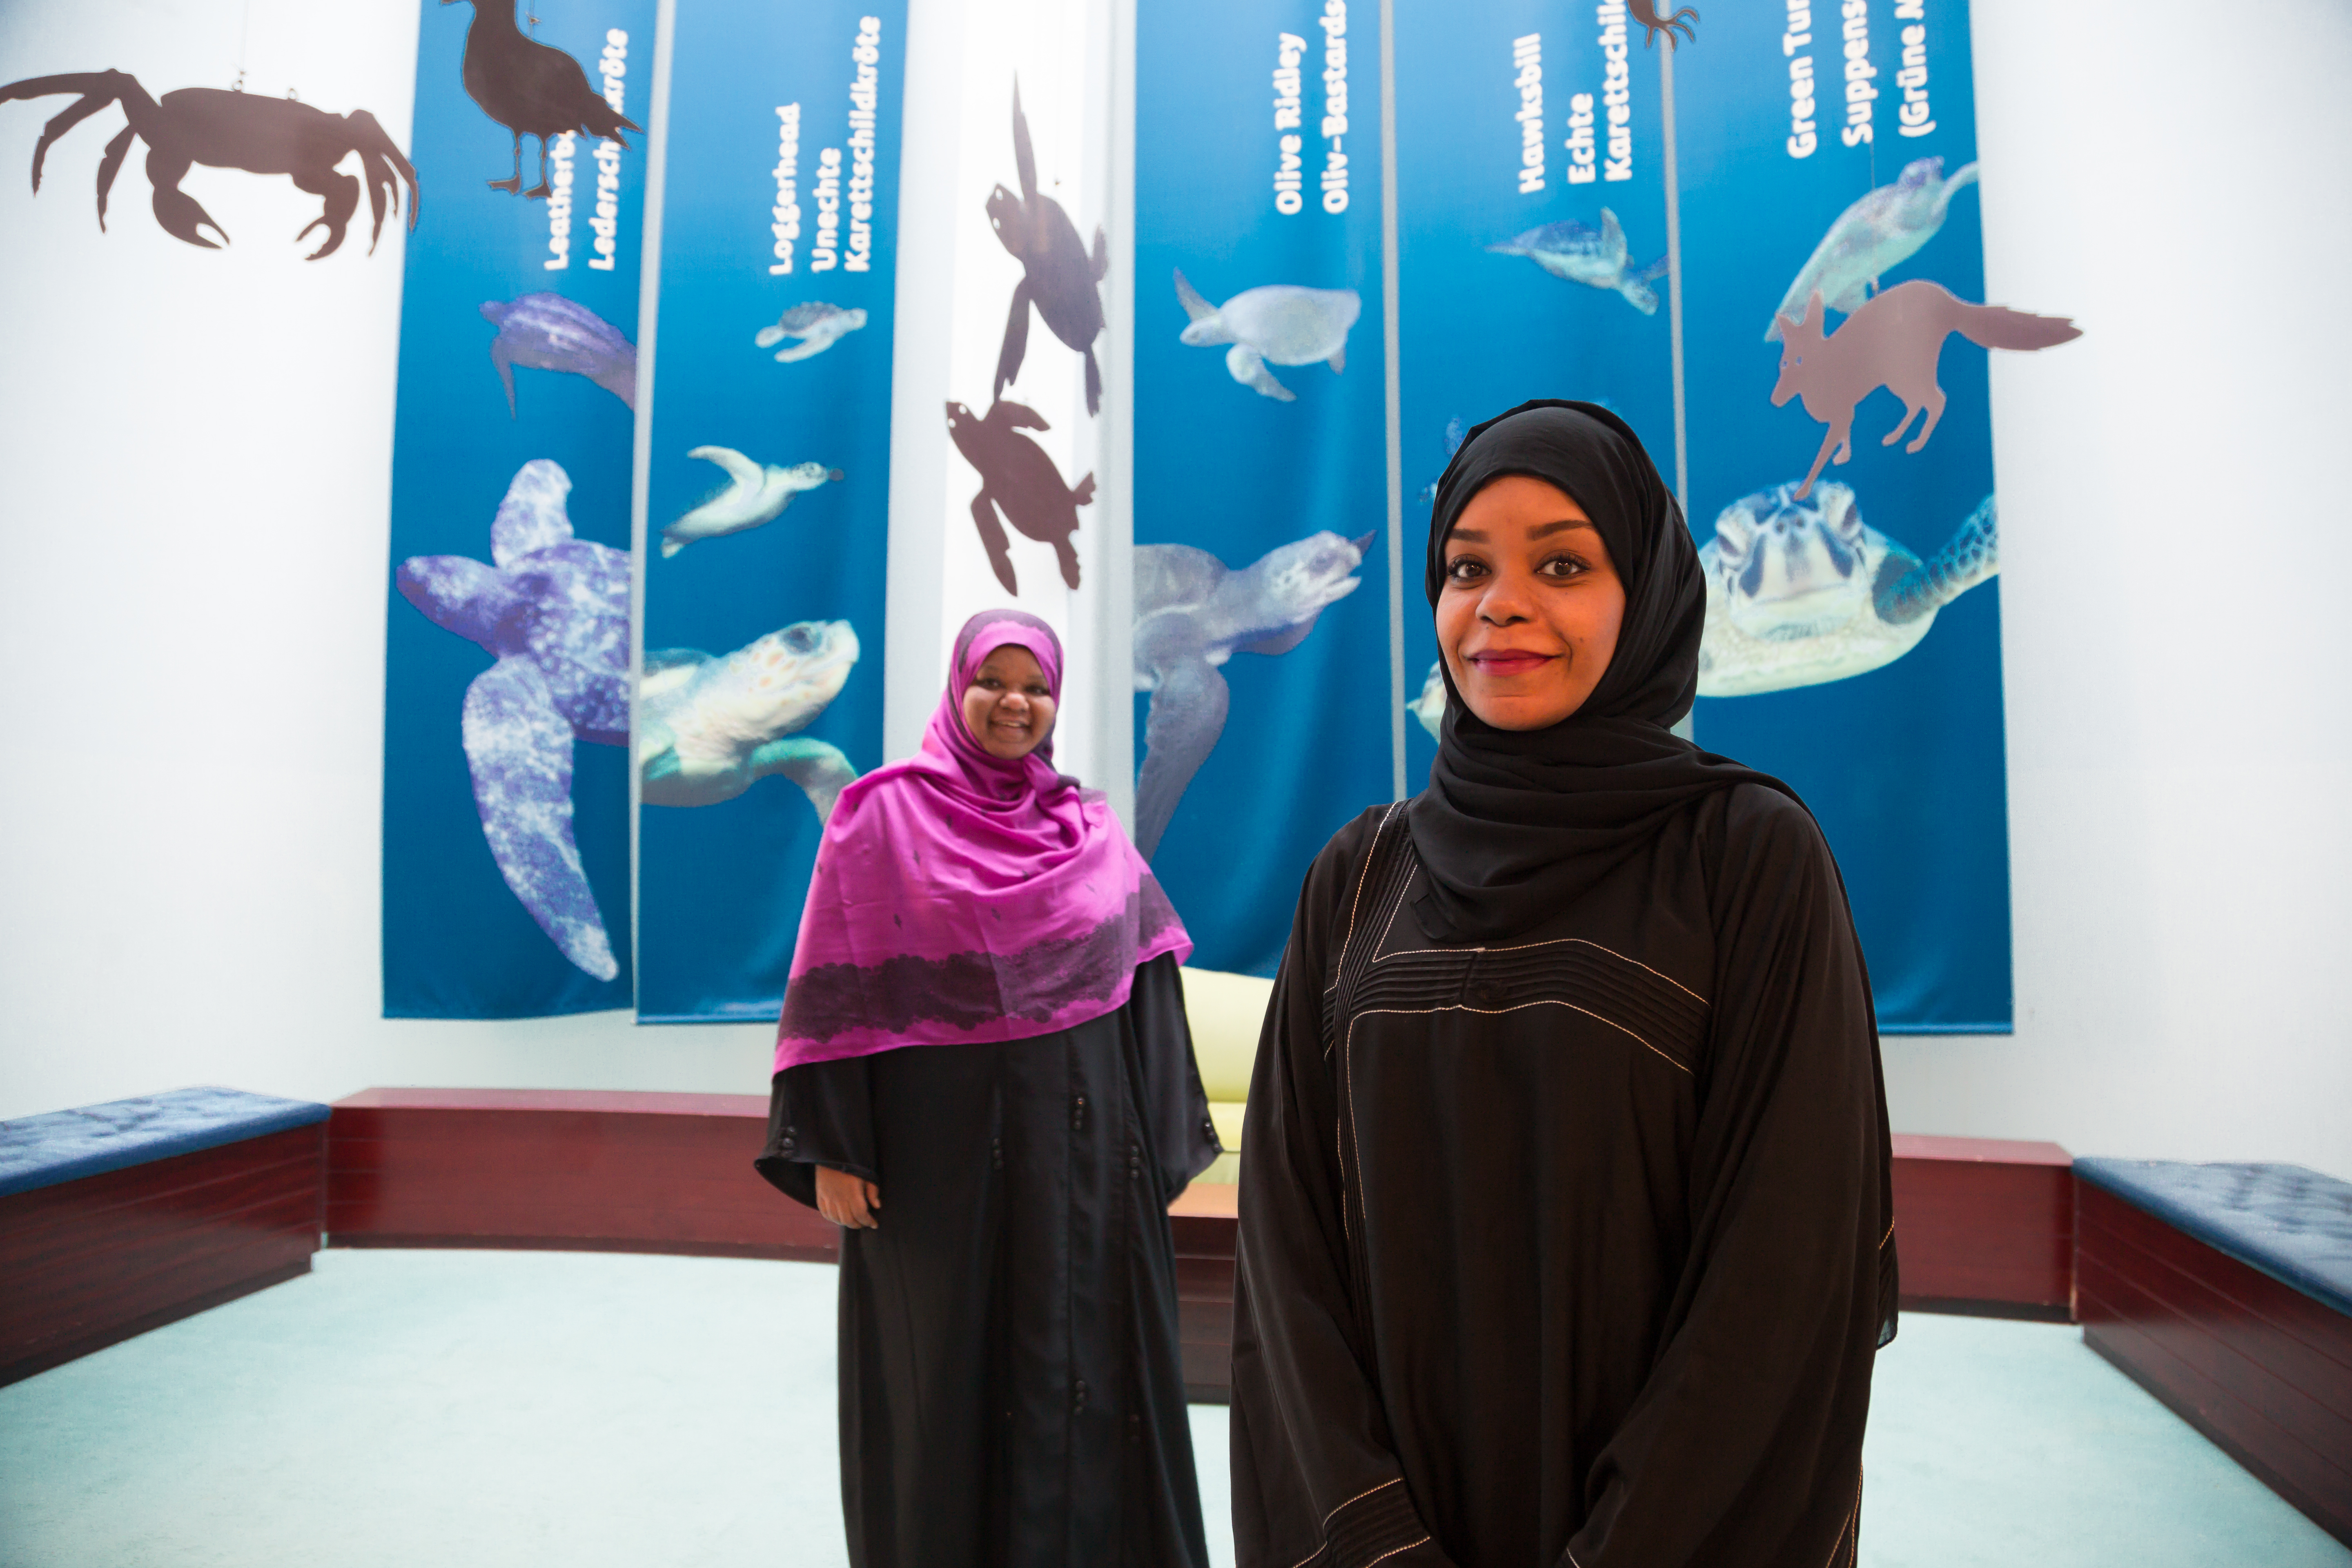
{"x": 2172, "y": 496}
{"x": 196, "y": 449}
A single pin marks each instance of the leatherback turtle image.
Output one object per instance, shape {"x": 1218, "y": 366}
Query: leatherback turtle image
{"x": 754, "y": 493}
{"x": 814, "y": 325}
{"x": 1803, "y": 591}
{"x": 555, "y": 611}
{"x": 1018, "y": 478}
{"x": 1273, "y": 323}
{"x": 1430, "y": 706}
{"x": 548, "y": 332}
{"x": 1058, "y": 276}
{"x": 1595, "y": 256}
{"x": 708, "y": 729}
{"x": 1878, "y": 232}
{"x": 1192, "y": 613}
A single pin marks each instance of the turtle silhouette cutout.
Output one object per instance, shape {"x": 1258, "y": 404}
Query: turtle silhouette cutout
{"x": 1058, "y": 276}
{"x": 1018, "y": 480}
{"x": 1803, "y": 592}
{"x": 223, "y": 129}
{"x": 531, "y": 89}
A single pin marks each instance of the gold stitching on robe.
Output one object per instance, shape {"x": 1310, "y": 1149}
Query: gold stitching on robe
{"x": 1325, "y": 1546}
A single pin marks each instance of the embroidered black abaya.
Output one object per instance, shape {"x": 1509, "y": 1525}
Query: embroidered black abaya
{"x": 1566, "y": 1215}
{"x": 1011, "y": 1386}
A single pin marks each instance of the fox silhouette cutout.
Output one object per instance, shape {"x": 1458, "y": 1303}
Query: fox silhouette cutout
{"x": 1893, "y": 341}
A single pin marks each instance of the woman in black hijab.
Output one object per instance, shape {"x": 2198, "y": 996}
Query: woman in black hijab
{"x": 1566, "y": 1222}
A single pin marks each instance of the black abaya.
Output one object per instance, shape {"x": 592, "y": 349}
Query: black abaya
{"x": 1011, "y": 1389}
{"x": 1573, "y": 1249}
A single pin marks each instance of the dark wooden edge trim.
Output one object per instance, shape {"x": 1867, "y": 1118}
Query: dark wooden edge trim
{"x": 2179, "y": 1402}
{"x": 56, "y": 1355}
{"x": 782, "y": 1254}
{"x": 1207, "y": 1393}
{"x": 1965, "y": 1306}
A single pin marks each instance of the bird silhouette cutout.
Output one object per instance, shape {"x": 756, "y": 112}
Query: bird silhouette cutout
{"x": 1018, "y": 478}
{"x": 1646, "y": 12}
{"x": 532, "y": 89}
{"x": 1893, "y": 341}
{"x": 1057, "y": 274}
{"x": 223, "y": 129}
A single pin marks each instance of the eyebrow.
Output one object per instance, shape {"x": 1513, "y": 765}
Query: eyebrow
{"x": 1541, "y": 530}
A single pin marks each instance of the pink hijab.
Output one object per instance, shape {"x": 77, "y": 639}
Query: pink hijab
{"x": 959, "y": 898}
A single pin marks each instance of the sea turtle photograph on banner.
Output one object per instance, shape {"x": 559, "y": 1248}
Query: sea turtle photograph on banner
{"x": 506, "y": 788}
{"x": 1262, "y": 657}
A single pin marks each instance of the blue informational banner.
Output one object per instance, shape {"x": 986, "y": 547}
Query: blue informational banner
{"x": 1853, "y": 642}
{"x": 1262, "y": 634}
{"x": 505, "y": 828}
{"x": 769, "y": 482}
{"x": 1531, "y": 218}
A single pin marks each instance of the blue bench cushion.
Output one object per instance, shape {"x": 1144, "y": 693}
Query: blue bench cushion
{"x": 64, "y": 1146}
{"x": 2294, "y": 1225}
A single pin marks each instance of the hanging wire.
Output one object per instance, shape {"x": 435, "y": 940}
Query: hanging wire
{"x": 244, "y": 31}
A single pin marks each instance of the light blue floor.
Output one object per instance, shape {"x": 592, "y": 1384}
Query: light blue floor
{"x": 515, "y": 1409}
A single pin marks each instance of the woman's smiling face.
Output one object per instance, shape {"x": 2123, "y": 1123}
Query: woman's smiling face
{"x": 1529, "y": 617}
{"x": 1009, "y": 706}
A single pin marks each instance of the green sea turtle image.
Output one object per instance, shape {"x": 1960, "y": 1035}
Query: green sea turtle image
{"x": 1883, "y": 229}
{"x": 1799, "y": 592}
{"x": 1018, "y": 480}
{"x": 708, "y": 729}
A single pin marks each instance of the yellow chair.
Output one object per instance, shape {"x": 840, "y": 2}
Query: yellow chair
{"x": 1225, "y": 1012}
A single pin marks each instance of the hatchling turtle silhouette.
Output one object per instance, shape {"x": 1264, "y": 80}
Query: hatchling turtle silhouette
{"x": 1019, "y": 481}
{"x": 1192, "y": 614}
{"x": 1803, "y": 593}
{"x": 555, "y": 611}
{"x": 226, "y": 129}
{"x": 1057, "y": 274}
{"x": 532, "y": 89}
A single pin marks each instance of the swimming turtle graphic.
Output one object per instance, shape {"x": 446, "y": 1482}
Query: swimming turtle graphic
{"x": 1058, "y": 275}
{"x": 754, "y": 493}
{"x": 1192, "y": 613}
{"x": 1598, "y": 257}
{"x": 1273, "y": 323}
{"x": 1879, "y": 231}
{"x": 1018, "y": 478}
{"x": 816, "y": 325}
{"x": 708, "y": 729}
{"x": 548, "y": 332}
{"x": 1803, "y": 591}
{"x": 554, "y": 611}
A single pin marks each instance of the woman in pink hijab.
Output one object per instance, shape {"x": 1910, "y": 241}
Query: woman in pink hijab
{"x": 984, "y": 1075}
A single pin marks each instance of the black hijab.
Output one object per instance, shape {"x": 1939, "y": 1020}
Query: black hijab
{"x": 1517, "y": 823}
